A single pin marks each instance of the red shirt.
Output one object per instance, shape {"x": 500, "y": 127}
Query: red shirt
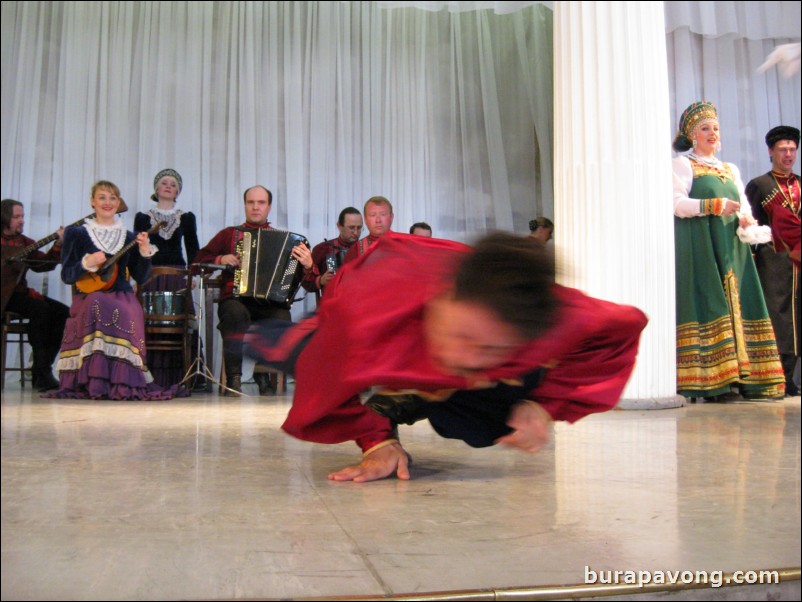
{"x": 42, "y": 262}
{"x": 783, "y": 212}
{"x": 225, "y": 243}
{"x": 320, "y": 253}
{"x": 369, "y": 332}
{"x": 360, "y": 247}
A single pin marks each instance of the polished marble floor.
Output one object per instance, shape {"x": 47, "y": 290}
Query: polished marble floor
{"x": 205, "y": 498}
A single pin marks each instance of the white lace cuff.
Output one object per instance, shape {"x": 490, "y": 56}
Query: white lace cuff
{"x": 754, "y": 234}
{"x": 86, "y": 267}
{"x": 152, "y": 250}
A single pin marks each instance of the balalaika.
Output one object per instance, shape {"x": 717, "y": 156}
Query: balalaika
{"x": 267, "y": 268}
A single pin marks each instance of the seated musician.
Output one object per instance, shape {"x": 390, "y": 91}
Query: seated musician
{"x": 329, "y": 255}
{"x": 167, "y": 367}
{"x": 378, "y": 214}
{"x": 103, "y": 348}
{"x": 541, "y": 230}
{"x": 237, "y": 313}
{"x": 421, "y": 229}
{"x": 46, "y": 316}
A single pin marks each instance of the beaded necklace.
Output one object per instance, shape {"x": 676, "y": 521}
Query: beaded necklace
{"x": 714, "y": 162}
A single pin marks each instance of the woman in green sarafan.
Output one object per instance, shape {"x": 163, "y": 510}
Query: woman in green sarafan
{"x": 725, "y": 341}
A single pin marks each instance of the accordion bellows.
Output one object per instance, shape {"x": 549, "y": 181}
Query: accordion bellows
{"x": 268, "y": 270}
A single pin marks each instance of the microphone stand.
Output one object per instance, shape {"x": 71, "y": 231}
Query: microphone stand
{"x": 198, "y": 367}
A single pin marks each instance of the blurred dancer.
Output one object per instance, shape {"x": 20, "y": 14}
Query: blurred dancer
{"x": 479, "y": 341}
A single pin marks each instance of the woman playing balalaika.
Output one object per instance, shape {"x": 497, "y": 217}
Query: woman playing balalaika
{"x": 103, "y": 352}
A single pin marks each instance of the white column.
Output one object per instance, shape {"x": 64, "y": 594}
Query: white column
{"x": 614, "y": 227}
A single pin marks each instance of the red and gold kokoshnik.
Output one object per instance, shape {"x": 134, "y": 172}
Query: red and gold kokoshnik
{"x": 695, "y": 114}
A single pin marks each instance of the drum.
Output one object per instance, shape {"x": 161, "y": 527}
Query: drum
{"x": 163, "y": 303}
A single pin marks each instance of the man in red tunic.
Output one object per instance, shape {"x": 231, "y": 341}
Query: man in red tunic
{"x": 479, "y": 341}
{"x": 328, "y": 255}
{"x": 47, "y": 316}
{"x": 236, "y": 314}
{"x": 378, "y": 213}
{"x": 775, "y": 201}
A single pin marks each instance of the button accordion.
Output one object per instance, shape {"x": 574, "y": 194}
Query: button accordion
{"x": 267, "y": 269}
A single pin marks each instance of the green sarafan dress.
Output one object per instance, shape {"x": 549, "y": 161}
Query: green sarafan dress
{"x": 725, "y": 338}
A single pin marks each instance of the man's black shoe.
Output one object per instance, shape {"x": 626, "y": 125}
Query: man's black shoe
{"x": 234, "y": 383}
{"x": 401, "y": 409}
{"x": 264, "y": 383}
{"x": 45, "y": 381}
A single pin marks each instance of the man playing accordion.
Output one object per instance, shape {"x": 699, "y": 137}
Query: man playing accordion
{"x": 236, "y": 313}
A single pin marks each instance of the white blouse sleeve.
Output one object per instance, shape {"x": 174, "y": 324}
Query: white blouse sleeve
{"x": 746, "y": 207}
{"x": 684, "y": 206}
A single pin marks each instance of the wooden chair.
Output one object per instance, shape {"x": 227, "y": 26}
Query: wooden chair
{"x": 212, "y": 286}
{"x": 15, "y": 330}
{"x": 277, "y": 376}
{"x": 169, "y": 315}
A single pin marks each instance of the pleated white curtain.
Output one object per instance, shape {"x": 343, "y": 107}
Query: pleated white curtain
{"x": 446, "y": 111}
{"x": 448, "y": 114}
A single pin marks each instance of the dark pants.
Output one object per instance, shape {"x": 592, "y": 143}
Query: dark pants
{"x": 47, "y": 319}
{"x": 784, "y": 304}
{"x": 236, "y": 316}
{"x": 478, "y": 417}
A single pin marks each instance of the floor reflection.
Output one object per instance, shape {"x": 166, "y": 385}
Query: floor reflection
{"x": 207, "y": 498}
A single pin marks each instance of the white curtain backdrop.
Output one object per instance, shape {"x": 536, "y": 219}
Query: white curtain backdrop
{"x": 446, "y": 111}
{"x": 448, "y": 114}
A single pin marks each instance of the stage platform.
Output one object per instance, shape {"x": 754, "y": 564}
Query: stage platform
{"x": 205, "y": 498}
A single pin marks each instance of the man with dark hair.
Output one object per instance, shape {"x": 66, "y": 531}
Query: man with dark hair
{"x": 421, "y": 229}
{"x": 480, "y": 341}
{"x": 775, "y": 201}
{"x": 46, "y": 316}
{"x": 237, "y": 313}
{"x": 328, "y": 255}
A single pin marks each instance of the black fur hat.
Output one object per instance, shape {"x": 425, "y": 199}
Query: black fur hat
{"x": 782, "y": 132}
